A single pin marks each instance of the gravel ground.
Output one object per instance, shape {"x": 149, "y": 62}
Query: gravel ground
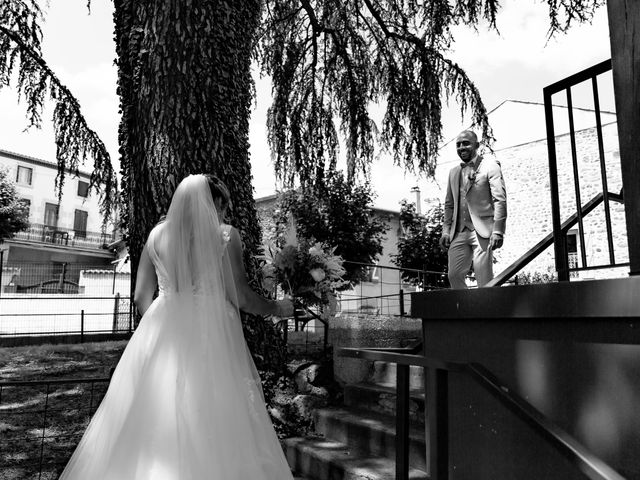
{"x": 40, "y": 425}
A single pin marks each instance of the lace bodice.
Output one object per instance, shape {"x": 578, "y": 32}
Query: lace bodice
{"x": 165, "y": 283}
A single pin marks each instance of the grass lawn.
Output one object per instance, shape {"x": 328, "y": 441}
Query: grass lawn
{"x": 46, "y": 421}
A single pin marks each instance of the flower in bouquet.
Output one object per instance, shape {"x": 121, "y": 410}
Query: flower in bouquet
{"x": 318, "y": 274}
{"x": 312, "y": 274}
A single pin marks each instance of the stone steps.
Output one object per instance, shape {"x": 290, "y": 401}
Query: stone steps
{"x": 385, "y": 373}
{"x": 323, "y": 459}
{"x": 381, "y": 398}
{"x": 357, "y": 441}
{"x": 369, "y": 433}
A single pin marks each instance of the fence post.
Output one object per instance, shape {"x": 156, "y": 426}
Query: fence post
{"x": 401, "y": 302}
{"x": 402, "y": 422}
{"x": 63, "y": 274}
{"x": 130, "y": 315}
{"x": 1, "y": 268}
{"x": 380, "y": 276}
{"x": 113, "y": 285}
{"x": 82, "y": 326}
{"x": 116, "y": 312}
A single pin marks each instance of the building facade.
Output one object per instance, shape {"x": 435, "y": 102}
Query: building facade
{"x": 61, "y": 232}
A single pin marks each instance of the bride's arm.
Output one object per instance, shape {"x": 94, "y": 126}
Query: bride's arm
{"x": 146, "y": 282}
{"x": 248, "y": 300}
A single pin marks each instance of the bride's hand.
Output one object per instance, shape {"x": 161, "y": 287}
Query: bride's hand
{"x": 284, "y": 307}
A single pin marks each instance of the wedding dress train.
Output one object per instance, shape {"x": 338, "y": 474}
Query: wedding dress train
{"x": 185, "y": 401}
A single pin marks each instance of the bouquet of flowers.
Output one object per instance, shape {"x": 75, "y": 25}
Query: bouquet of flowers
{"x": 311, "y": 273}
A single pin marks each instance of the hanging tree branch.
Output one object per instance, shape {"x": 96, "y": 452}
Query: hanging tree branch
{"x": 386, "y": 52}
{"x": 20, "y": 38}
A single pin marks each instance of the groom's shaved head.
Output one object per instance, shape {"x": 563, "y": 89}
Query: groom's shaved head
{"x": 469, "y": 133}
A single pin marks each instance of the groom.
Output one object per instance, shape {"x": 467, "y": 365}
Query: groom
{"x": 475, "y": 213}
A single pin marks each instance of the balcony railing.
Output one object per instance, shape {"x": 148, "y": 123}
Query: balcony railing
{"x": 65, "y": 237}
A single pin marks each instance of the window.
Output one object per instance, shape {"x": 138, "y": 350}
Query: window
{"x": 572, "y": 252}
{"x": 24, "y": 175}
{"x": 80, "y": 224}
{"x": 572, "y": 249}
{"x": 51, "y": 214}
{"x": 83, "y": 189}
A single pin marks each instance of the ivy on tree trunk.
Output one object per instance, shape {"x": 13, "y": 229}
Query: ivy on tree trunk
{"x": 185, "y": 90}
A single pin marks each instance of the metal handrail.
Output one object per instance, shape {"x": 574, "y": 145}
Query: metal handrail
{"x": 389, "y": 267}
{"x": 66, "y": 236}
{"x": 436, "y": 398}
{"x": 560, "y": 247}
{"x": 548, "y": 240}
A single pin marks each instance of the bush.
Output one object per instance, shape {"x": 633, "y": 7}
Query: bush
{"x": 419, "y": 247}
{"x": 338, "y": 215}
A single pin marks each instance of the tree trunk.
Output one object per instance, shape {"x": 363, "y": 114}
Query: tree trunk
{"x": 185, "y": 91}
{"x": 624, "y": 28}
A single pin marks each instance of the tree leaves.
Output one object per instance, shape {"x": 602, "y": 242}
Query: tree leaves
{"x": 339, "y": 215}
{"x": 13, "y": 217}
{"x": 330, "y": 60}
{"x": 419, "y": 250}
{"x": 23, "y": 68}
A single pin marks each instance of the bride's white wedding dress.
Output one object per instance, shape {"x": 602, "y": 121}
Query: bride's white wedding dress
{"x": 185, "y": 401}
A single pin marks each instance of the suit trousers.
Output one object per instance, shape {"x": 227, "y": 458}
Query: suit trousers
{"x": 466, "y": 248}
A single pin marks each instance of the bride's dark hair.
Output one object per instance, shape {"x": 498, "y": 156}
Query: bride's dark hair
{"x": 218, "y": 190}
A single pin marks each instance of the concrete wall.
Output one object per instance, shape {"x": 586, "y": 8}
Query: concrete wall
{"x": 54, "y": 314}
{"x": 360, "y": 330}
{"x": 101, "y": 282}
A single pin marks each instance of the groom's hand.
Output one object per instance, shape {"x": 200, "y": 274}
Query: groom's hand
{"x": 495, "y": 241}
{"x": 445, "y": 241}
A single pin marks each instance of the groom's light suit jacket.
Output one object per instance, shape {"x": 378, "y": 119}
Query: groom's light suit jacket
{"x": 486, "y": 197}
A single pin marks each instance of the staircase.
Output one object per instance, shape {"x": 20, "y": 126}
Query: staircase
{"x": 356, "y": 441}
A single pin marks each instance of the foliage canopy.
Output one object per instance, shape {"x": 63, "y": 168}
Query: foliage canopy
{"x": 23, "y": 68}
{"x": 329, "y": 60}
{"x": 419, "y": 247}
{"x": 339, "y": 215}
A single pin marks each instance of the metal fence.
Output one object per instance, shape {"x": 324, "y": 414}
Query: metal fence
{"x": 588, "y": 77}
{"x": 385, "y": 291}
{"x": 42, "y": 422}
{"x": 63, "y": 278}
{"x": 26, "y": 315}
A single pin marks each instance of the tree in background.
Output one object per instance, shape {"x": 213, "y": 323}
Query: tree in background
{"x": 329, "y": 60}
{"x": 339, "y": 215}
{"x": 23, "y": 68}
{"x": 13, "y": 216}
{"x": 419, "y": 247}
{"x": 185, "y": 88}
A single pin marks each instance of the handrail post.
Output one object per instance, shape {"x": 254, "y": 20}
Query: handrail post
{"x": 437, "y": 422}
{"x": 560, "y": 247}
{"x": 82, "y": 326}
{"x": 402, "y": 422}
{"x": 116, "y": 313}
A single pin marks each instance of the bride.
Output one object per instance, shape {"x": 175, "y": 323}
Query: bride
{"x": 185, "y": 401}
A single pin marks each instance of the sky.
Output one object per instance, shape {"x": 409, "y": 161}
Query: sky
{"x": 515, "y": 64}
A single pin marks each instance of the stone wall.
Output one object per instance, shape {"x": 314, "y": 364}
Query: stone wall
{"x": 526, "y": 171}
